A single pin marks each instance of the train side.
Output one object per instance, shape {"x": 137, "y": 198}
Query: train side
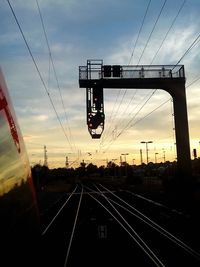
{"x": 19, "y": 216}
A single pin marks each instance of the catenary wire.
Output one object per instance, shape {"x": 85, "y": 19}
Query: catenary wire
{"x": 38, "y": 71}
{"x": 192, "y": 45}
{"x": 146, "y": 42}
{"x": 151, "y": 32}
{"x": 144, "y": 51}
{"x": 127, "y": 125}
{"x": 54, "y": 70}
{"x": 140, "y": 30}
{"x": 172, "y": 24}
{"x": 148, "y": 114}
{"x": 181, "y": 7}
{"x": 119, "y": 91}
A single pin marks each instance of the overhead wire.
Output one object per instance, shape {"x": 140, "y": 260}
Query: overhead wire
{"x": 105, "y": 136}
{"x": 38, "y": 71}
{"x": 162, "y": 7}
{"x": 192, "y": 45}
{"x": 172, "y": 24}
{"x": 148, "y": 114}
{"x": 158, "y": 17}
{"x": 194, "y": 81}
{"x": 54, "y": 69}
{"x": 148, "y": 42}
{"x": 106, "y": 133}
{"x": 122, "y": 121}
{"x": 140, "y": 30}
{"x": 120, "y": 133}
{"x": 165, "y": 37}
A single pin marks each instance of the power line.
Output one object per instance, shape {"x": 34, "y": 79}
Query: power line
{"x": 193, "y": 44}
{"x": 148, "y": 38}
{"x": 147, "y": 115}
{"x": 197, "y": 79}
{"x": 137, "y": 112}
{"x": 139, "y": 31}
{"x": 172, "y": 24}
{"x": 53, "y": 65}
{"x": 127, "y": 125}
{"x": 108, "y": 131}
{"x": 167, "y": 31}
{"x": 38, "y": 71}
{"x": 183, "y": 3}
{"x": 152, "y": 31}
{"x": 164, "y": 40}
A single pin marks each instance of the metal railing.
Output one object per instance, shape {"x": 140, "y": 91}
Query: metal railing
{"x": 132, "y": 72}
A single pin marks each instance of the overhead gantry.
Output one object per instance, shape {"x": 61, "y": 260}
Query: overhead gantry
{"x": 95, "y": 77}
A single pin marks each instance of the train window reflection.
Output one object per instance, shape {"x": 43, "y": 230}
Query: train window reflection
{"x": 11, "y": 165}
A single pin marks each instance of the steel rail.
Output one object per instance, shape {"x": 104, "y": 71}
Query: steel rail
{"x": 47, "y": 228}
{"x": 159, "y": 228}
{"x": 137, "y": 238}
{"x": 73, "y": 229}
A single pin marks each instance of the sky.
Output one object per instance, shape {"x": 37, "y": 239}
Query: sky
{"x": 52, "y": 113}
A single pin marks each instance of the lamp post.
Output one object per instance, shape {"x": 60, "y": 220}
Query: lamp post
{"x": 146, "y": 142}
{"x": 125, "y": 154}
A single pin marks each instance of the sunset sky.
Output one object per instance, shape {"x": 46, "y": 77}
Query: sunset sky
{"x": 118, "y": 32}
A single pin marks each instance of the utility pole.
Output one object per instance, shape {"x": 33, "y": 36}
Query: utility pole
{"x": 45, "y": 156}
{"x": 164, "y": 159}
{"x": 141, "y": 159}
{"x": 67, "y": 163}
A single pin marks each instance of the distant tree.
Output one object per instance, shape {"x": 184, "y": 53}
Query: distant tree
{"x": 101, "y": 171}
{"x": 91, "y": 169}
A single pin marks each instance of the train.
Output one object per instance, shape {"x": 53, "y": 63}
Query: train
{"x": 20, "y": 231}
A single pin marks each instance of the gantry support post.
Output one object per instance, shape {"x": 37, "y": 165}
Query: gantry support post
{"x": 167, "y": 77}
{"x": 181, "y": 130}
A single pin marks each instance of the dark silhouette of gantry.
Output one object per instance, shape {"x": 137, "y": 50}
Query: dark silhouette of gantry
{"x": 95, "y": 77}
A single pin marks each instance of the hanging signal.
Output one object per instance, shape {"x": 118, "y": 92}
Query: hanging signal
{"x": 95, "y": 111}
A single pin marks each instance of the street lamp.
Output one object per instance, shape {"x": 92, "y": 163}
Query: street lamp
{"x": 125, "y": 154}
{"x": 146, "y": 142}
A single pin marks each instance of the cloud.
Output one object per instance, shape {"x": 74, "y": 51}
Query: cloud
{"x": 41, "y": 118}
{"x": 99, "y": 29}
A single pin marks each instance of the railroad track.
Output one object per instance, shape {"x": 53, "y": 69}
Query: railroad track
{"x": 95, "y": 226}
